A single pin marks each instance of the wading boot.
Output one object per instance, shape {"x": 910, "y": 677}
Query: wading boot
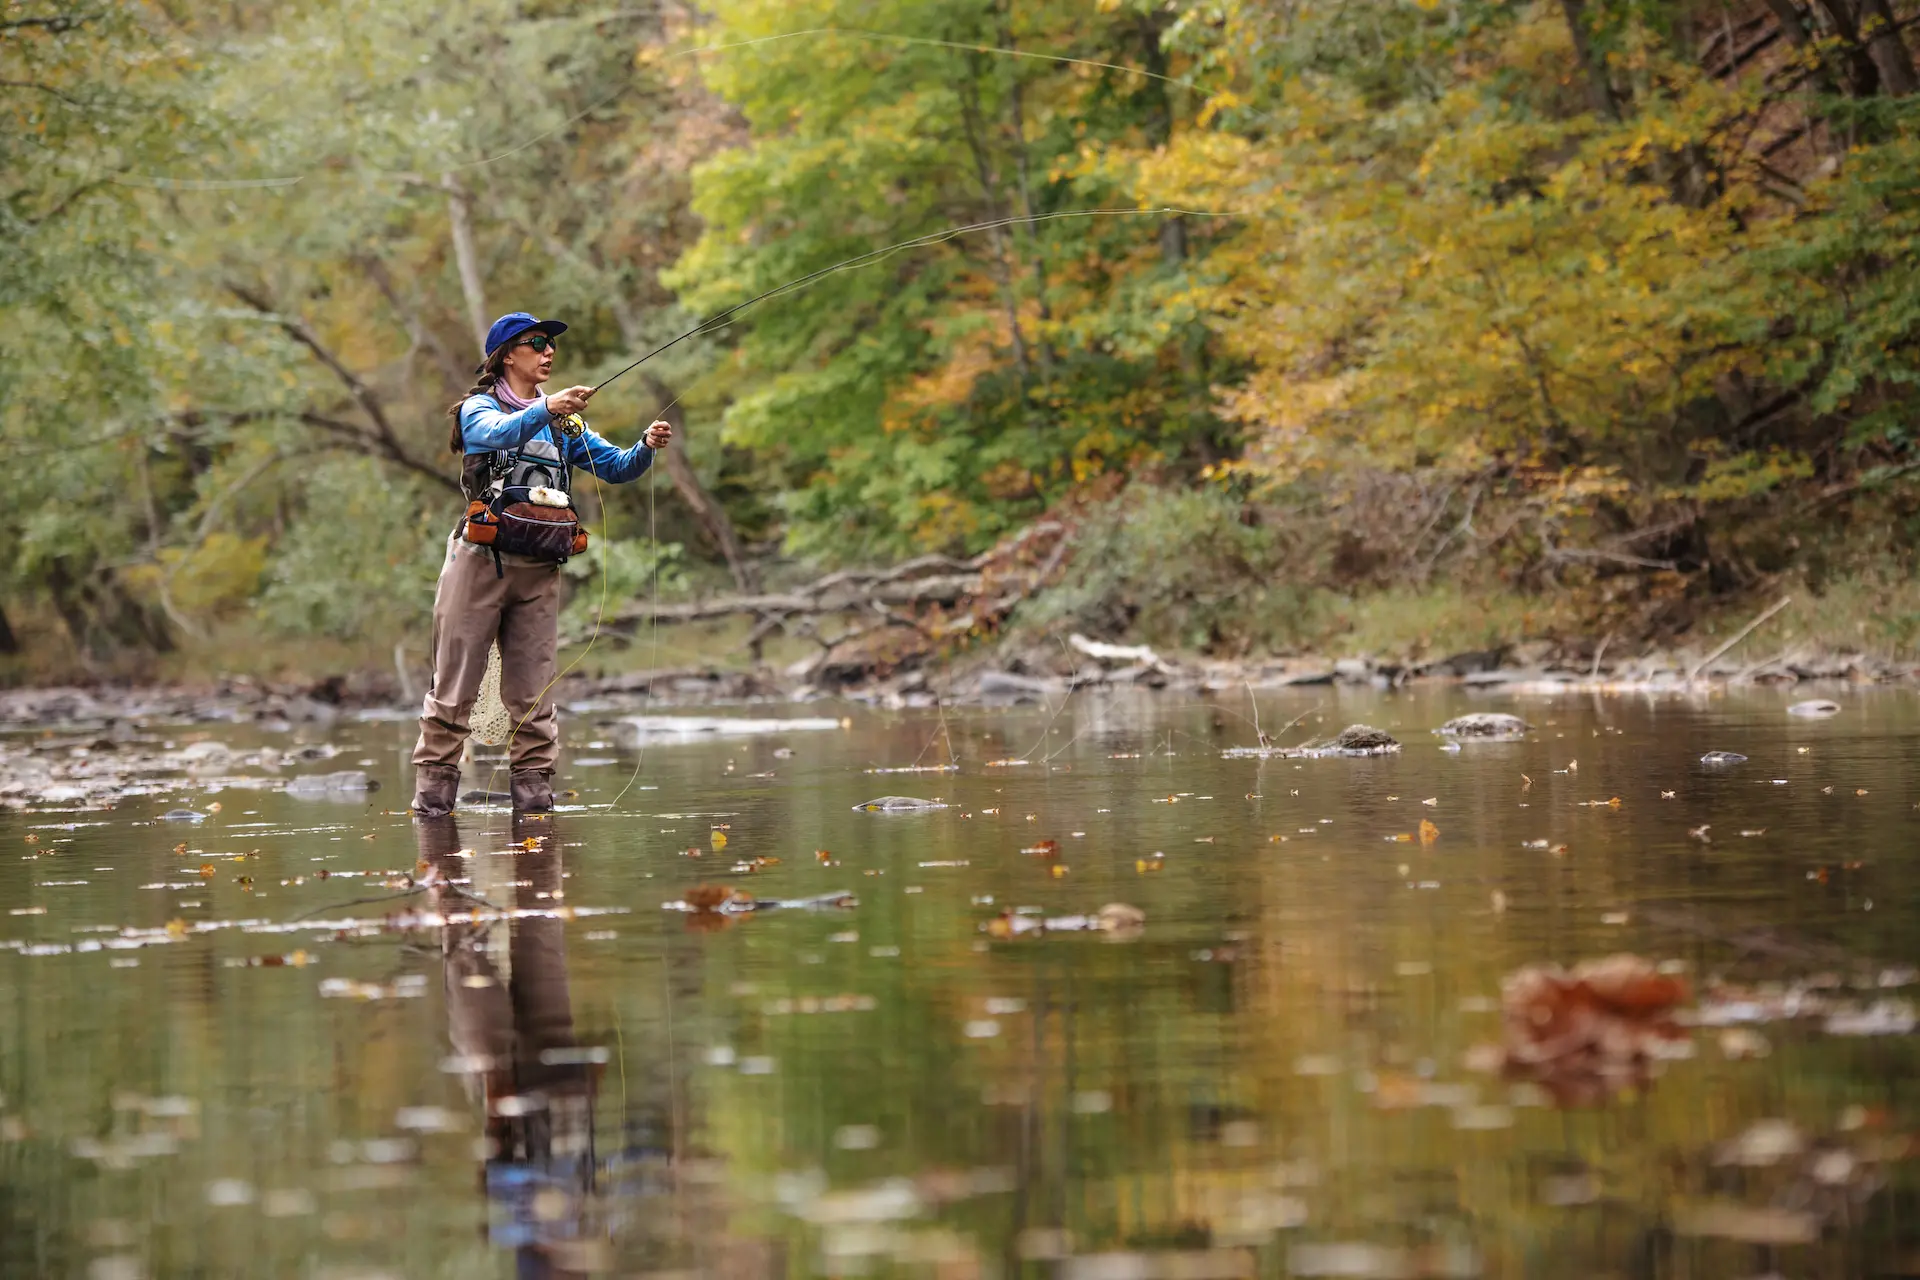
{"x": 532, "y": 791}
{"x": 434, "y": 788}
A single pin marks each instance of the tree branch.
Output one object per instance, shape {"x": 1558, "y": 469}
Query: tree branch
{"x": 382, "y": 439}
{"x": 367, "y": 442}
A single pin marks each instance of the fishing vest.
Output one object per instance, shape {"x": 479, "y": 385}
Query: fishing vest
{"x": 520, "y": 500}
{"x": 538, "y": 463}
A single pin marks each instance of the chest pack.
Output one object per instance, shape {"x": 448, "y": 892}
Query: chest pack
{"x": 520, "y": 501}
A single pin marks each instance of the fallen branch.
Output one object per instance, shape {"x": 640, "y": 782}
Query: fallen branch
{"x": 1740, "y": 635}
{"x": 932, "y": 580}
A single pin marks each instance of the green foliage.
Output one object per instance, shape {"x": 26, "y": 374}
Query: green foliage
{"x": 220, "y": 279}
{"x": 1565, "y": 258}
{"x": 359, "y": 560}
{"x": 939, "y": 397}
{"x": 1190, "y": 569}
{"x": 612, "y": 574}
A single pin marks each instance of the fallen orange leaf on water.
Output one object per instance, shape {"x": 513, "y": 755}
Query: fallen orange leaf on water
{"x": 1042, "y": 849}
{"x": 709, "y": 897}
{"x": 1059, "y": 869}
{"x": 176, "y": 928}
{"x": 1428, "y": 832}
{"x": 206, "y": 868}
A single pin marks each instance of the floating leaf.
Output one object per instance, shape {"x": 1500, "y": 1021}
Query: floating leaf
{"x": 709, "y": 897}
{"x": 1428, "y": 832}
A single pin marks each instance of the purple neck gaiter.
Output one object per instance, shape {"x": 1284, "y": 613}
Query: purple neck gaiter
{"x": 509, "y": 401}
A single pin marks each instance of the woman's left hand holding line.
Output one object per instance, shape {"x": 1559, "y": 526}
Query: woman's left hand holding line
{"x": 659, "y": 435}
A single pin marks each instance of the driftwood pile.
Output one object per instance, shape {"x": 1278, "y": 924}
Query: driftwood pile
{"x": 887, "y": 618}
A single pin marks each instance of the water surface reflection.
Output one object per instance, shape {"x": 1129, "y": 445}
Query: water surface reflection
{"x": 488, "y": 1050}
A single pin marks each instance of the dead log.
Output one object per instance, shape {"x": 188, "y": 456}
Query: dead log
{"x": 932, "y": 597}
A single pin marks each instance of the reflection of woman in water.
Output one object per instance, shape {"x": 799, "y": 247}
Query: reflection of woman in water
{"x": 510, "y": 1017}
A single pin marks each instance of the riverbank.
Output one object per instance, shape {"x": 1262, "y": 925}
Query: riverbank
{"x": 1005, "y": 675}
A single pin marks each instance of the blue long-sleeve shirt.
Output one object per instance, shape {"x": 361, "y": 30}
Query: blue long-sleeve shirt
{"x": 485, "y": 427}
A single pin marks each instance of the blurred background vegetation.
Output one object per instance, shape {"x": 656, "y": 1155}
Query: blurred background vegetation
{"x": 1481, "y": 319}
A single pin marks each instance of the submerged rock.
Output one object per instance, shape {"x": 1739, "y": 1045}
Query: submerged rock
{"x": 1722, "y": 757}
{"x": 347, "y": 780}
{"x": 1485, "y": 724}
{"x": 1814, "y": 708}
{"x": 899, "y": 804}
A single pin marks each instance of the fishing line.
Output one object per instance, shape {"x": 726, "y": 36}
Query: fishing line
{"x": 693, "y": 51}
{"x": 653, "y": 627}
{"x": 719, "y": 319}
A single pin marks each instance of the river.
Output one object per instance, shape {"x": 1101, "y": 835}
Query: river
{"x": 490, "y": 1048}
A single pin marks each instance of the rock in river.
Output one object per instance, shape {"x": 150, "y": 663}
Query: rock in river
{"x": 1814, "y": 708}
{"x": 899, "y": 804}
{"x": 1485, "y": 724}
{"x": 1723, "y": 757}
{"x": 1362, "y": 739}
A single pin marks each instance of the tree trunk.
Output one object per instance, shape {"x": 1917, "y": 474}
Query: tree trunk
{"x": 460, "y": 214}
{"x": 1862, "y": 69}
{"x": 1173, "y": 229}
{"x": 1599, "y": 89}
{"x": 997, "y": 237}
{"x": 9, "y": 643}
{"x": 711, "y": 515}
{"x": 1017, "y": 104}
{"x": 1888, "y": 50}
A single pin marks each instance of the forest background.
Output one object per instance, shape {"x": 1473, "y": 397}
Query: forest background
{"x": 1408, "y": 325}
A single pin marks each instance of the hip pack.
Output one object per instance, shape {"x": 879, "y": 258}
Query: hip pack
{"x": 512, "y": 524}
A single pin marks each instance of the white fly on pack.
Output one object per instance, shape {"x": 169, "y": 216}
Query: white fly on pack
{"x": 490, "y": 724}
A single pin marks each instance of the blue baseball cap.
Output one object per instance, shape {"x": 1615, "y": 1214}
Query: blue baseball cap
{"x": 514, "y": 323}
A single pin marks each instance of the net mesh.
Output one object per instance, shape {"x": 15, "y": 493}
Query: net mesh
{"x": 491, "y": 725}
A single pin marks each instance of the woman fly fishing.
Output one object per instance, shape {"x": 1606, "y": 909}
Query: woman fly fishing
{"x": 500, "y": 582}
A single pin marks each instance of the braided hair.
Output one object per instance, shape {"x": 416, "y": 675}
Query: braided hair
{"x": 492, "y": 369}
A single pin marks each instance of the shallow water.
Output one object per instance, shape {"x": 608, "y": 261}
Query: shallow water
{"x": 1282, "y": 1072}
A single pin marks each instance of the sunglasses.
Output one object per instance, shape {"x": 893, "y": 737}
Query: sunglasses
{"x": 540, "y": 343}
